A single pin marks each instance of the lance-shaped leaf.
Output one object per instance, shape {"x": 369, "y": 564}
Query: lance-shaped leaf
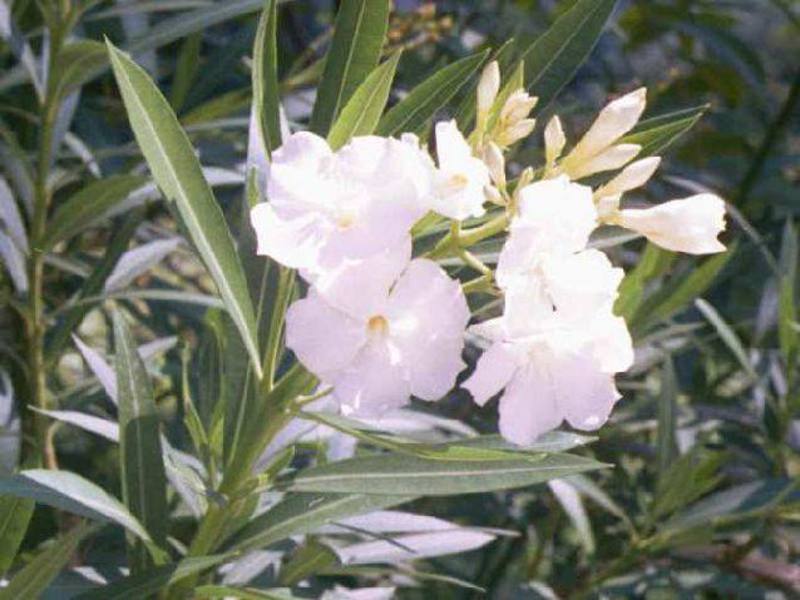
{"x": 554, "y": 57}
{"x": 142, "y": 585}
{"x": 71, "y": 493}
{"x": 15, "y": 514}
{"x": 88, "y": 206}
{"x": 362, "y": 112}
{"x": 143, "y": 477}
{"x": 670, "y": 299}
{"x": 655, "y": 134}
{"x": 177, "y": 172}
{"x": 422, "y": 103}
{"x": 138, "y": 261}
{"x": 355, "y": 50}
{"x": 298, "y": 514}
{"x": 266, "y": 100}
{"x": 35, "y": 577}
{"x": 401, "y": 474}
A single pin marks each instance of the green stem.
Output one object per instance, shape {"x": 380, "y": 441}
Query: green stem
{"x": 468, "y": 237}
{"x": 35, "y": 325}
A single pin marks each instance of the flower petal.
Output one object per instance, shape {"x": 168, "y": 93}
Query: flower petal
{"x": 373, "y": 383}
{"x": 528, "y": 408}
{"x": 494, "y": 370}
{"x": 323, "y": 338}
{"x": 361, "y": 287}
{"x": 292, "y": 242}
{"x": 428, "y": 314}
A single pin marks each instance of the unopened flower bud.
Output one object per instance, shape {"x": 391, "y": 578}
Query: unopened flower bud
{"x": 688, "y": 225}
{"x": 516, "y": 132}
{"x": 554, "y": 141}
{"x": 614, "y": 121}
{"x": 525, "y": 179}
{"x": 612, "y": 158}
{"x": 493, "y": 157}
{"x": 488, "y": 87}
{"x": 517, "y": 107}
{"x": 633, "y": 176}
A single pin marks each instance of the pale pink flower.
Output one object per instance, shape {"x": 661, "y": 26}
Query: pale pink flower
{"x": 391, "y": 338}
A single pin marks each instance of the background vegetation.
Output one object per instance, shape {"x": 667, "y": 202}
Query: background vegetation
{"x": 703, "y": 499}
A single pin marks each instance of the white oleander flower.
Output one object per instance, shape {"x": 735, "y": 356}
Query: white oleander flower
{"x": 688, "y": 225}
{"x": 556, "y": 348}
{"x": 553, "y": 216}
{"x": 394, "y": 337}
{"x": 325, "y": 207}
{"x": 461, "y": 177}
{"x": 598, "y": 150}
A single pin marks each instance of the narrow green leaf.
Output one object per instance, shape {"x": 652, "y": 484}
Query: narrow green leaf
{"x": 144, "y": 482}
{"x": 32, "y": 580}
{"x": 414, "y": 111}
{"x": 736, "y": 503}
{"x": 358, "y": 36}
{"x": 654, "y": 135}
{"x": 727, "y": 335}
{"x": 74, "y": 60}
{"x": 298, "y": 514}
{"x": 666, "y": 442}
{"x": 136, "y": 587}
{"x": 15, "y": 514}
{"x": 672, "y": 298}
{"x": 71, "y": 493}
{"x": 689, "y": 477}
{"x": 483, "y": 448}
{"x": 177, "y": 172}
{"x": 186, "y": 66}
{"x": 554, "y": 57}
{"x": 266, "y": 100}
{"x": 363, "y": 111}
{"x": 400, "y": 474}
{"x": 88, "y": 206}
{"x": 653, "y": 262}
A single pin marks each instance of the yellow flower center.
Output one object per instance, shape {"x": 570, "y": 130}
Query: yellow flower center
{"x": 458, "y": 181}
{"x": 378, "y": 325}
{"x": 345, "y": 220}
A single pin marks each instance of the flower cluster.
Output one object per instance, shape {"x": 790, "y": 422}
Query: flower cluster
{"x": 380, "y": 326}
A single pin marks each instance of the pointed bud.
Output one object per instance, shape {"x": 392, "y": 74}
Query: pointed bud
{"x": 614, "y": 121}
{"x": 493, "y": 157}
{"x": 488, "y": 87}
{"x": 554, "y": 141}
{"x": 688, "y": 225}
{"x": 517, "y": 107}
{"x": 525, "y": 179}
{"x": 614, "y": 157}
{"x": 516, "y": 132}
{"x": 633, "y": 176}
